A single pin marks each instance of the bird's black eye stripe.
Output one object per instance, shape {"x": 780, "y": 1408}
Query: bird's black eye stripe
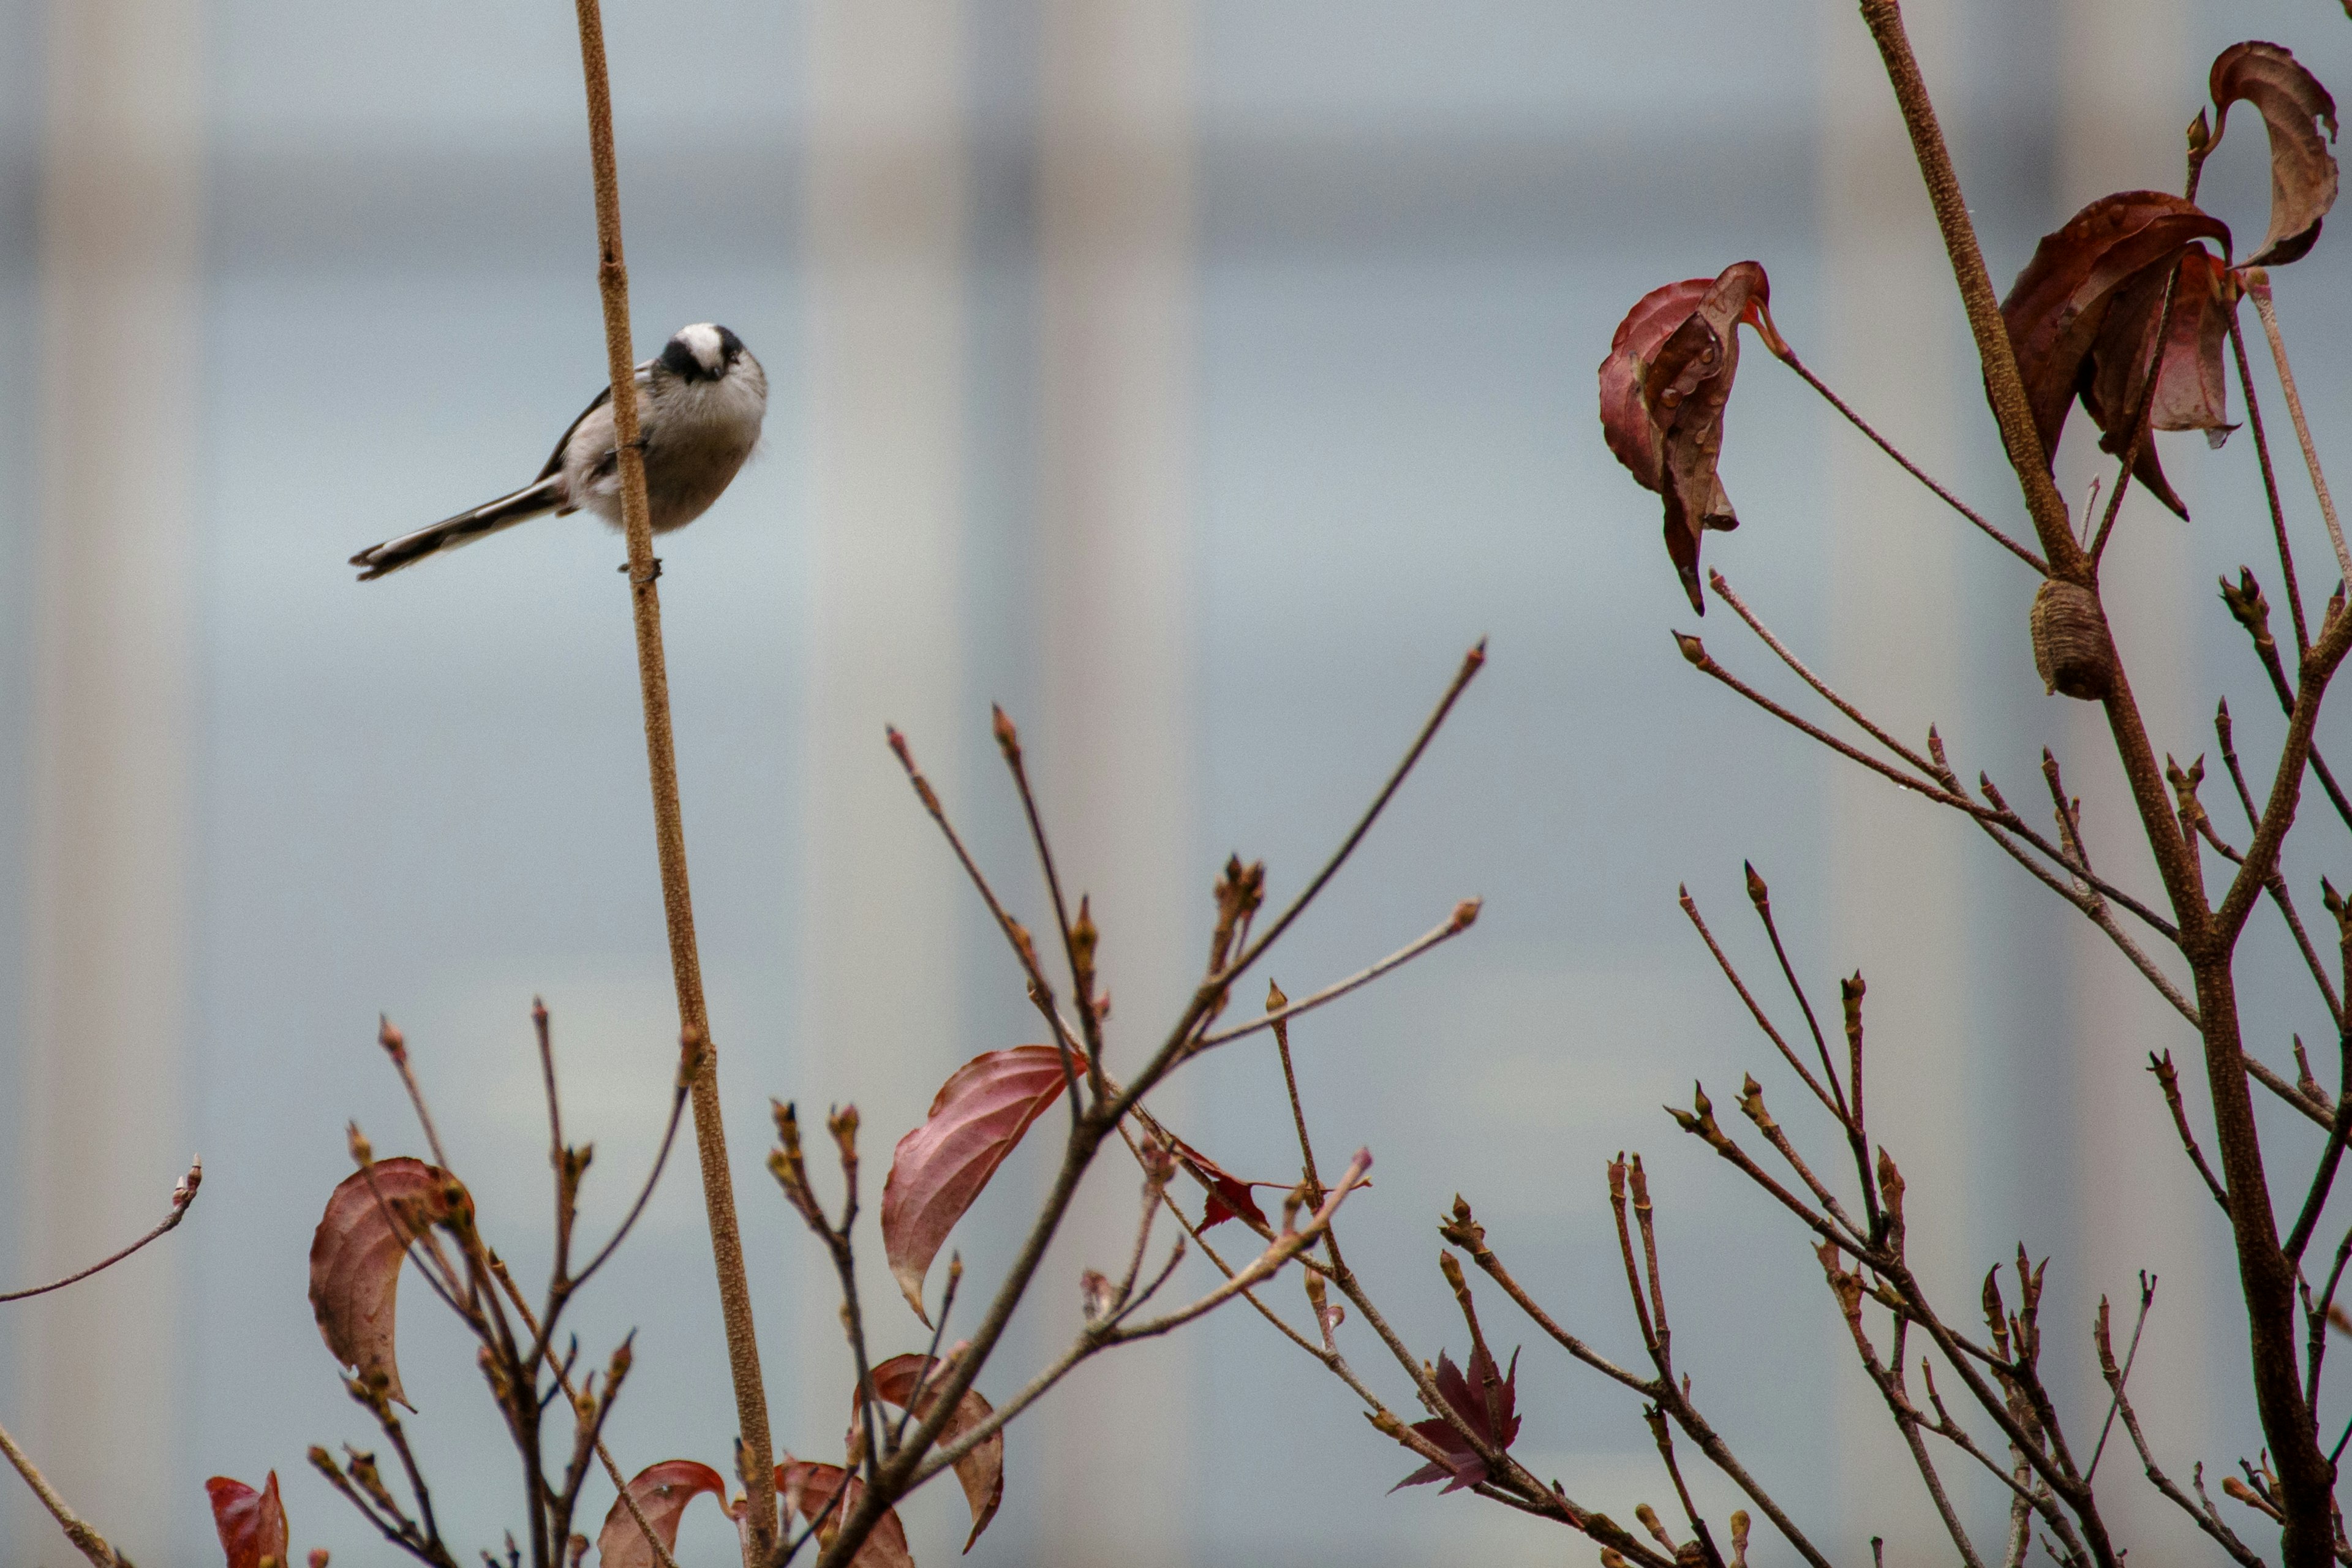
{"x": 680, "y": 362}
{"x": 730, "y": 347}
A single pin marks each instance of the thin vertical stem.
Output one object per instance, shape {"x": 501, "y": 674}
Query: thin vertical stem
{"x": 2258, "y": 285}
{"x": 669, "y": 832}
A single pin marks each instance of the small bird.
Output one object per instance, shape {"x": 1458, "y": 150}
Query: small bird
{"x": 700, "y": 404}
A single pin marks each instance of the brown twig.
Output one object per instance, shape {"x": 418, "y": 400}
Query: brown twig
{"x": 1788, "y": 356}
{"x": 2168, "y": 1078}
{"x": 2270, "y": 483}
{"x": 669, "y": 832}
{"x": 1465, "y": 915}
{"x": 183, "y": 1196}
{"x": 86, "y": 1539}
{"x": 2258, "y": 287}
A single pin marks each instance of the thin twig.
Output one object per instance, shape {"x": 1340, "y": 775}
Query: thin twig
{"x": 1466, "y": 914}
{"x": 2258, "y": 285}
{"x": 1472, "y": 663}
{"x": 87, "y": 1541}
{"x": 1789, "y": 357}
{"x": 2270, "y": 483}
{"x": 183, "y": 1196}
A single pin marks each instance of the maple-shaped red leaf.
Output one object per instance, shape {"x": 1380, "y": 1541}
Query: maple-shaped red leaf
{"x": 356, "y": 1254}
{"x": 1486, "y": 1403}
{"x": 941, "y": 1167}
{"x": 1228, "y": 1195}
{"x": 2058, "y": 307}
{"x": 2191, "y": 386}
{"x": 811, "y": 1486}
{"x": 980, "y": 1472}
{"x": 1664, "y": 388}
{"x": 2294, "y": 107}
{"x": 252, "y": 1524}
{"x": 661, "y": 1492}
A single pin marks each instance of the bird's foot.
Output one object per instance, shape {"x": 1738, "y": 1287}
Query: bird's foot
{"x": 648, "y": 580}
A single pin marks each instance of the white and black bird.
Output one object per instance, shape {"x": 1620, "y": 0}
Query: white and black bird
{"x": 700, "y": 404}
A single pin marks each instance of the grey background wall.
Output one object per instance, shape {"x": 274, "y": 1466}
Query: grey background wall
{"x": 1197, "y": 379}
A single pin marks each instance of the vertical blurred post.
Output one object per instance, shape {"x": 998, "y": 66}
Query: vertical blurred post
{"x": 2126, "y": 74}
{"x": 1115, "y": 242}
{"x": 102, "y": 1114}
{"x": 885, "y": 383}
{"x": 1898, "y": 872}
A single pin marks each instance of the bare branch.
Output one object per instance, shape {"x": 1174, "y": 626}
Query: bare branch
{"x": 183, "y": 1196}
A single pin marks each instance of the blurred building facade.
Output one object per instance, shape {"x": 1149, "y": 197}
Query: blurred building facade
{"x": 1197, "y": 380}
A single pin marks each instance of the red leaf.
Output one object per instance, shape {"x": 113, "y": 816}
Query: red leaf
{"x": 1229, "y": 1196}
{"x": 2292, "y": 106}
{"x": 812, "y": 1486}
{"x": 1664, "y": 388}
{"x": 941, "y": 1167}
{"x": 982, "y": 1471}
{"x": 357, "y": 1251}
{"x": 2057, "y": 306}
{"x": 1486, "y": 1403}
{"x": 252, "y": 1524}
{"x": 2192, "y": 387}
{"x": 662, "y": 1492}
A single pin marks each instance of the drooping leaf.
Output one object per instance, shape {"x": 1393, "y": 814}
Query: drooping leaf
{"x": 941, "y": 1167}
{"x": 2057, "y": 306}
{"x": 662, "y": 1492}
{"x": 982, "y": 1471}
{"x": 811, "y": 1486}
{"x": 2294, "y": 107}
{"x": 2191, "y": 386}
{"x": 358, "y": 1249}
{"x": 1486, "y": 1403}
{"x": 1228, "y": 1195}
{"x": 252, "y": 1524}
{"x": 1664, "y": 388}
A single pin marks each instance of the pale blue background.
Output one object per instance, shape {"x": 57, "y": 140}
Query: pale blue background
{"x": 1418, "y": 225}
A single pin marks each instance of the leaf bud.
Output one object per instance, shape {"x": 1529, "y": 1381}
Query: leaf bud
{"x": 1692, "y": 649}
{"x": 1095, "y": 1295}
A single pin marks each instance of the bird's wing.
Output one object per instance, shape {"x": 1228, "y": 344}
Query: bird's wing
{"x": 603, "y": 395}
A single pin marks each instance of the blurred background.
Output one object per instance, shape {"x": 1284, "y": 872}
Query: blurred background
{"x": 1199, "y": 380}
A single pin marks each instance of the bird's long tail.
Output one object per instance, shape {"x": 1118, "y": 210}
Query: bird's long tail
{"x": 462, "y": 529}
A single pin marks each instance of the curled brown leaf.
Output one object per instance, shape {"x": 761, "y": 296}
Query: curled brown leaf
{"x": 252, "y": 1524}
{"x": 1663, "y": 389}
{"x": 2192, "y": 383}
{"x": 661, "y": 1492}
{"x": 981, "y": 1472}
{"x": 976, "y": 1120}
{"x": 357, "y": 1252}
{"x": 2293, "y": 107}
{"x": 811, "y": 1486}
{"x": 2058, "y": 311}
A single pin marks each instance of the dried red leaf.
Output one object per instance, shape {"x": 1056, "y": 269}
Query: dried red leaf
{"x": 1664, "y": 388}
{"x": 2059, "y": 304}
{"x": 941, "y": 1166}
{"x": 2294, "y": 107}
{"x": 1228, "y": 1195}
{"x": 982, "y": 1471}
{"x": 2192, "y": 387}
{"x": 357, "y": 1251}
{"x": 1488, "y": 1404}
{"x": 662, "y": 1492}
{"x": 252, "y": 1524}
{"x": 811, "y": 1486}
